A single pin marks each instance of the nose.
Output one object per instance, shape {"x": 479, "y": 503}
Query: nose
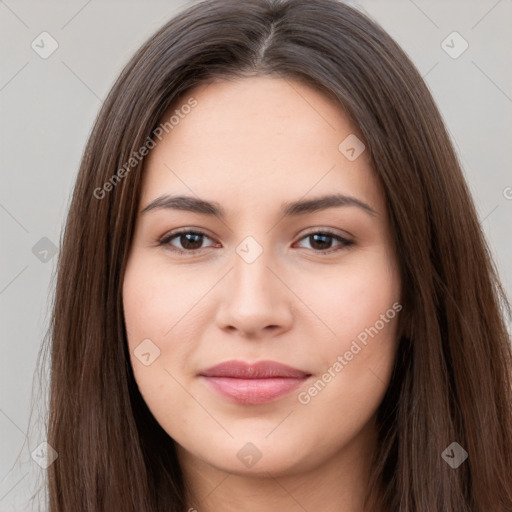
{"x": 255, "y": 300}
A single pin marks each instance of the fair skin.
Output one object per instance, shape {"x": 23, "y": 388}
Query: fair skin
{"x": 249, "y": 146}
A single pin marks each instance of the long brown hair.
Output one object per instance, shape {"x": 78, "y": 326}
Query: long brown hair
{"x": 452, "y": 375}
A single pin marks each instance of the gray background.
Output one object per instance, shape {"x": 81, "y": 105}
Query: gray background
{"x": 47, "y": 110}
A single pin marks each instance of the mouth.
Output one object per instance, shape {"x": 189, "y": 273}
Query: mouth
{"x": 253, "y": 383}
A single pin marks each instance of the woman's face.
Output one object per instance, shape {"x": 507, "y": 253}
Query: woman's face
{"x": 291, "y": 263}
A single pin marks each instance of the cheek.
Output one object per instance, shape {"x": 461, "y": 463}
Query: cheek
{"x": 155, "y": 298}
{"x": 348, "y": 298}
{"x": 149, "y": 313}
{"x": 152, "y": 307}
{"x": 359, "y": 306}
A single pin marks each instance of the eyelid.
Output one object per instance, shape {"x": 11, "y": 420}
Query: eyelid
{"x": 344, "y": 241}
{"x": 165, "y": 240}
{"x": 330, "y": 231}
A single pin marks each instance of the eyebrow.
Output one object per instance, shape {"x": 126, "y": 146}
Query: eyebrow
{"x": 293, "y": 208}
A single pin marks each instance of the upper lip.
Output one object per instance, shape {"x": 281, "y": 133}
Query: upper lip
{"x": 256, "y": 370}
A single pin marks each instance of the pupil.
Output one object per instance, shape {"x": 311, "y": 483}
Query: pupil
{"x": 193, "y": 241}
{"x": 187, "y": 243}
{"x": 315, "y": 238}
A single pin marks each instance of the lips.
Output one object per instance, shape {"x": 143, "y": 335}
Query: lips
{"x": 258, "y": 370}
{"x": 253, "y": 383}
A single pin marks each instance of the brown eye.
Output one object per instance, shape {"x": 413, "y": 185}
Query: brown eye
{"x": 189, "y": 241}
{"x": 321, "y": 241}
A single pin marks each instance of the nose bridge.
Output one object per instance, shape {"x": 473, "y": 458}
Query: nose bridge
{"x": 254, "y": 297}
{"x": 252, "y": 277}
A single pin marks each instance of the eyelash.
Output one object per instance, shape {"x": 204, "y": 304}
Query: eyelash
{"x": 165, "y": 241}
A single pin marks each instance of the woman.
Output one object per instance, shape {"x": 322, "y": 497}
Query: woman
{"x": 273, "y": 290}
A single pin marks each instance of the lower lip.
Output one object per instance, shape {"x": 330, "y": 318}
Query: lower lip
{"x": 253, "y": 391}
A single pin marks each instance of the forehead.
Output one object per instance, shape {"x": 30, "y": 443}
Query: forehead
{"x": 257, "y": 138}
